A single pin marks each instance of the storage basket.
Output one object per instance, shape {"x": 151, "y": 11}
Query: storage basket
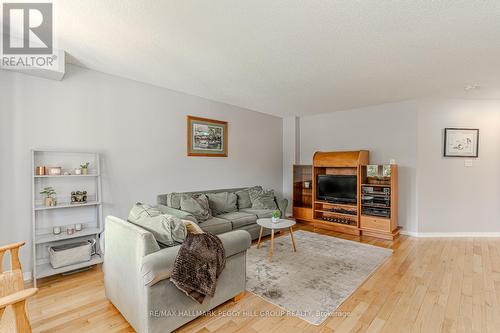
{"x": 69, "y": 254}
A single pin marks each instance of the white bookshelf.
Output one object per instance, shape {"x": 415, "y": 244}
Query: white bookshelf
{"x": 65, "y": 214}
{"x": 62, "y": 176}
{"x": 67, "y": 205}
{"x": 45, "y": 270}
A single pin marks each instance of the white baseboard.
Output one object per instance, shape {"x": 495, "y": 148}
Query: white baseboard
{"x": 408, "y": 233}
{"x": 448, "y": 234}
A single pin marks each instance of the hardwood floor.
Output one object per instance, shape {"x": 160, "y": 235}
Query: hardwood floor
{"x": 428, "y": 285}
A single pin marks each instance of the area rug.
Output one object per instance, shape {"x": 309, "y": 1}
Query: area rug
{"x": 312, "y": 282}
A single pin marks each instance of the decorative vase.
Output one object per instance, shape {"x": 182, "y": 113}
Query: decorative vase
{"x": 85, "y": 171}
{"x": 56, "y": 230}
{"x": 78, "y": 171}
{"x": 275, "y": 219}
{"x": 40, "y": 170}
{"x": 48, "y": 202}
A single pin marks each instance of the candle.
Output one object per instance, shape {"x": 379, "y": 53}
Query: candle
{"x": 40, "y": 170}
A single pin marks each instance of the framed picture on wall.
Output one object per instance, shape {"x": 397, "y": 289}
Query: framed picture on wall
{"x": 206, "y": 137}
{"x": 461, "y": 142}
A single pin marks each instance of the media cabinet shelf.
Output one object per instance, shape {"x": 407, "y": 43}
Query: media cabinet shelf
{"x": 302, "y": 195}
{"x": 336, "y": 204}
{"x": 375, "y": 206}
{"x": 309, "y": 209}
{"x": 377, "y": 185}
{"x": 346, "y": 163}
{"x": 328, "y": 223}
{"x": 335, "y": 213}
{"x": 378, "y": 194}
{"x": 374, "y": 224}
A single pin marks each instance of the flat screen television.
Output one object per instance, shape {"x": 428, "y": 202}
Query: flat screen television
{"x": 337, "y": 188}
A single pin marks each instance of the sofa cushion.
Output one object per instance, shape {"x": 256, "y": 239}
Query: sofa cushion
{"x": 216, "y": 225}
{"x": 239, "y": 219}
{"x": 261, "y": 213}
{"x": 244, "y": 197}
{"x": 196, "y": 204}
{"x": 262, "y": 199}
{"x": 223, "y": 202}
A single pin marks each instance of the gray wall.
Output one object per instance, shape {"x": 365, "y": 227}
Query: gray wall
{"x": 388, "y": 131}
{"x": 452, "y": 197}
{"x": 8, "y": 189}
{"x": 140, "y": 131}
{"x": 438, "y": 196}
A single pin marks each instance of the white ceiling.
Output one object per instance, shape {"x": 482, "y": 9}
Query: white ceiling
{"x": 289, "y": 57}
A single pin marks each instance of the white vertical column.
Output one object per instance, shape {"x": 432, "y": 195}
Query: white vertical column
{"x": 291, "y": 154}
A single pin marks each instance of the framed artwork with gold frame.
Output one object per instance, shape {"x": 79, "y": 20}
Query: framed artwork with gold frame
{"x": 206, "y": 137}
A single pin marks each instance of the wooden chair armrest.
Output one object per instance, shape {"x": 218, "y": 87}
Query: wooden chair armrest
{"x": 11, "y": 246}
{"x": 17, "y": 297}
{"x": 14, "y": 255}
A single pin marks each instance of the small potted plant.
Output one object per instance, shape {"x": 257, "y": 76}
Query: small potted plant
{"x": 85, "y": 168}
{"x": 49, "y": 200}
{"x": 275, "y": 217}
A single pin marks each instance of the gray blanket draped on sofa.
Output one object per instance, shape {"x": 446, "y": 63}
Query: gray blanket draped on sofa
{"x": 198, "y": 264}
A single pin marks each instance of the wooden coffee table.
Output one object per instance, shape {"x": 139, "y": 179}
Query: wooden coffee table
{"x": 281, "y": 224}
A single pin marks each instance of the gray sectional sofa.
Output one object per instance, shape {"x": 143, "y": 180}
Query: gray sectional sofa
{"x": 242, "y": 218}
{"x": 137, "y": 270}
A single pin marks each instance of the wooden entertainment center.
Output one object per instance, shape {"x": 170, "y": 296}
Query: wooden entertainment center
{"x": 374, "y": 210}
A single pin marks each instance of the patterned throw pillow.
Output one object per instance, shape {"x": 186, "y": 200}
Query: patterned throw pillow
{"x": 262, "y": 199}
{"x": 174, "y": 200}
{"x": 196, "y": 204}
{"x": 244, "y": 197}
{"x": 140, "y": 211}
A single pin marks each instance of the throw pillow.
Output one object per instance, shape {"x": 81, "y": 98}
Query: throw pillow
{"x": 196, "y": 204}
{"x": 174, "y": 200}
{"x": 140, "y": 211}
{"x": 244, "y": 197}
{"x": 222, "y": 203}
{"x": 263, "y": 199}
{"x": 168, "y": 230}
